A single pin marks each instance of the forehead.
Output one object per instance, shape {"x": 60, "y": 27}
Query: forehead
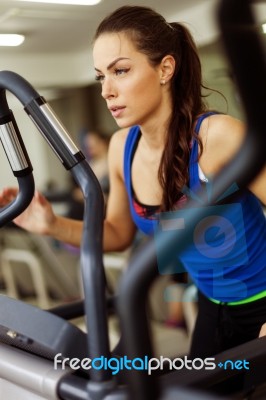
{"x": 111, "y": 46}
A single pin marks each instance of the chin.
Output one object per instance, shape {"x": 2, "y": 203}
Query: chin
{"x": 124, "y": 124}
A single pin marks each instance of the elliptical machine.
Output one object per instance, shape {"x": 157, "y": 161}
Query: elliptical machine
{"x": 22, "y": 325}
{"x": 30, "y": 337}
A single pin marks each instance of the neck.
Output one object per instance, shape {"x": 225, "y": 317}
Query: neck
{"x": 154, "y": 129}
{"x": 154, "y": 135}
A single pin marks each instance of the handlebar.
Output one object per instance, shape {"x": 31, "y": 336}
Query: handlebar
{"x": 43, "y": 117}
{"x": 73, "y": 160}
{"x": 19, "y": 162}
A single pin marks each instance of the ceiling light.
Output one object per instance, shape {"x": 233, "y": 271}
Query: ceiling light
{"x": 72, "y": 2}
{"x": 264, "y": 27}
{"x": 11, "y": 39}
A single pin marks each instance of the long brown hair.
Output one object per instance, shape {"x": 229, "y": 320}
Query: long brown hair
{"x": 156, "y": 38}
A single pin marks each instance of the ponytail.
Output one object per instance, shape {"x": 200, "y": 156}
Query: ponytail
{"x": 187, "y": 105}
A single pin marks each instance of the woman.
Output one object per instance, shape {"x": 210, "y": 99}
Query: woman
{"x": 150, "y": 75}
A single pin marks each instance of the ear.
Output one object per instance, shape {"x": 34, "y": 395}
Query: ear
{"x": 167, "y": 68}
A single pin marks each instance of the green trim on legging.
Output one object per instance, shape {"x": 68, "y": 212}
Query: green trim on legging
{"x": 250, "y": 299}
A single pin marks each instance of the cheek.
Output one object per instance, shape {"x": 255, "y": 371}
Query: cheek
{"x": 145, "y": 92}
{"x": 150, "y": 98}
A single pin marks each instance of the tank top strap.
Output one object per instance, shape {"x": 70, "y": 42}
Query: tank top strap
{"x": 146, "y": 225}
{"x": 194, "y": 181}
{"x": 201, "y": 118}
{"x": 131, "y": 140}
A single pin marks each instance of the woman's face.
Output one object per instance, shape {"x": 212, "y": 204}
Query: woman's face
{"x": 130, "y": 85}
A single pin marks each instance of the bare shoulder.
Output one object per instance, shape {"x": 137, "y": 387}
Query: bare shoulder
{"x": 221, "y": 127}
{"x": 118, "y": 139}
{"x": 221, "y": 137}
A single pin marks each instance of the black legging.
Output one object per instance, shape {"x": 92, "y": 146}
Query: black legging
{"x": 220, "y": 326}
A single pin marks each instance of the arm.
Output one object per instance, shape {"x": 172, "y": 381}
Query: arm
{"x": 258, "y": 186}
{"x": 39, "y": 218}
{"x": 263, "y": 330}
{"x": 119, "y": 228}
{"x": 222, "y": 136}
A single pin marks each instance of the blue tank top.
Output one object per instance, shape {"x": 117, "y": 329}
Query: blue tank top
{"x": 227, "y": 271}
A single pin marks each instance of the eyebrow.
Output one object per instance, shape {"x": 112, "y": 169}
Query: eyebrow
{"x": 112, "y": 63}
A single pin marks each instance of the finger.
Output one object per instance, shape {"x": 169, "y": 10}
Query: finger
{"x": 10, "y": 192}
{"x": 5, "y": 197}
{"x": 40, "y": 197}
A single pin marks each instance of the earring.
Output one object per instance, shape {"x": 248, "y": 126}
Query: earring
{"x": 162, "y": 82}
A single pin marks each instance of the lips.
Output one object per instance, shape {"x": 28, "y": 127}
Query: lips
{"x": 116, "y": 111}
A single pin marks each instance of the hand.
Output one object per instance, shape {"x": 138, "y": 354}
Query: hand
{"x": 263, "y": 330}
{"x": 37, "y": 218}
{"x": 7, "y": 195}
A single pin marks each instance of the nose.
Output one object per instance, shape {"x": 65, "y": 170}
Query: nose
{"x": 108, "y": 89}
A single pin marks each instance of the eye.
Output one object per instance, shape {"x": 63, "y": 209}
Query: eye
{"x": 99, "y": 78}
{"x": 121, "y": 71}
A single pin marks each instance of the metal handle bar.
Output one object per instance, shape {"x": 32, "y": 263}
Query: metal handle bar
{"x": 42, "y": 115}
{"x": 91, "y": 246}
{"x": 19, "y": 162}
